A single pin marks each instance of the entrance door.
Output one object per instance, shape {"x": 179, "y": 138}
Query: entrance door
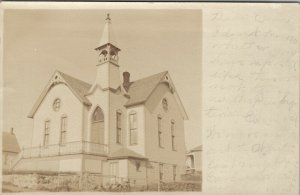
{"x": 97, "y": 128}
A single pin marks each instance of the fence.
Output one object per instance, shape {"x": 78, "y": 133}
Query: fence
{"x": 77, "y": 147}
{"x": 57, "y": 182}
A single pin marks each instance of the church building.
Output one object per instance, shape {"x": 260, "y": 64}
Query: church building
{"x": 116, "y": 127}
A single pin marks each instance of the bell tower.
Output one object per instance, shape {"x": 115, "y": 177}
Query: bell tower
{"x": 108, "y": 74}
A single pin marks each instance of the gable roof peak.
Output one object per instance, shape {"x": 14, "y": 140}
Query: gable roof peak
{"x": 78, "y": 87}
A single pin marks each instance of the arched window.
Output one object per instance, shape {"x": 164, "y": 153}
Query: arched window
{"x": 97, "y": 115}
{"x": 104, "y": 52}
{"x": 97, "y": 126}
{"x": 56, "y": 104}
{"x": 165, "y": 104}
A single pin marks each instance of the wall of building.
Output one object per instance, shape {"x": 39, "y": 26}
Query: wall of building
{"x": 197, "y": 160}
{"x": 137, "y": 176}
{"x": 8, "y": 159}
{"x": 70, "y": 106}
{"x": 153, "y": 174}
{"x": 93, "y": 164}
{"x": 164, "y": 154}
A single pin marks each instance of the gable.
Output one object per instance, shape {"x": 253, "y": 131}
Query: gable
{"x": 155, "y": 101}
{"x": 77, "y": 87}
{"x": 140, "y": 91}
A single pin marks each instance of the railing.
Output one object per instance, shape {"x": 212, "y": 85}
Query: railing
{"x": 78, "y": 147}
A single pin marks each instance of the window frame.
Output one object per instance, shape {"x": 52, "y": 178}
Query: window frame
{"x": 119, "y": 127}
{"x": 133, "y": 129}
{"x": 159, "y": 131}
{"x": 63, "y": 130}
{"x": 173, "y": 135}
{"x": 46, "y": 132}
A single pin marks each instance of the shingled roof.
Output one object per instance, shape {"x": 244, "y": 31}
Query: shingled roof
{"x": 80, "y": 87}
{"x": 10, "y": 143}
{"x": 125, "y": 153}
{"x": 141, "y": 89}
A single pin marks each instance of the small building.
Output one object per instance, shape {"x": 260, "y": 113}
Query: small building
{"x": 194, "y": 159}
{"x": 10, "y": 150}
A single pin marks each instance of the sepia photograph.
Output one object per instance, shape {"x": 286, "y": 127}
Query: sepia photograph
{"x": 102, "y": 100}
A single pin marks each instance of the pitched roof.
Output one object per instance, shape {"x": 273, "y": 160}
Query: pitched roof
{"x": 10, "y": 143}
{"x": 78, "y": 87}
{"x": 125, "y": 153}
{"x": 141, "y": 89}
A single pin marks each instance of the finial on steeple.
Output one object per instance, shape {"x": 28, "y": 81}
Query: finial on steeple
{"x": 107, "y": 17}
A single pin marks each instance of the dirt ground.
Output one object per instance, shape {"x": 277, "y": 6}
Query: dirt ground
{"x": 8, "y": 187}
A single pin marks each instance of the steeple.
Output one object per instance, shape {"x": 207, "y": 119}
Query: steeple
{"x": 108, "y": 74}
{"x": 108, "y": 51}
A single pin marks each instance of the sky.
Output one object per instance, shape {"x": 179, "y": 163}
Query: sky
{"x": 38, "y": 42}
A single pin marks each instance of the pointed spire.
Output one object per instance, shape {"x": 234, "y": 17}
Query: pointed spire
{"x": 107, "y": 34}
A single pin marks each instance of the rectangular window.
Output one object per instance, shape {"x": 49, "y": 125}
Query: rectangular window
{"x": 161, "y": 172}
{"x": 63, "y": 131}
{"x": 114, "y": 171}
{"x": 173, "y": 135}
{"x": 119, "y": 128}
{"x": 159, "y": 121}
{"x": 174, "y": 172}
{"x": 133, "y": 128}
{"x": 46, "y": 133}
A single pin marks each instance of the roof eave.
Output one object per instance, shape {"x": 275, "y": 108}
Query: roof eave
{"x": 127, "y": 157}
{"x": 134, "y": 104}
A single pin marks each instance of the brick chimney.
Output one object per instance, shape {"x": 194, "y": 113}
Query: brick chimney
{"x": 126, "y": 80}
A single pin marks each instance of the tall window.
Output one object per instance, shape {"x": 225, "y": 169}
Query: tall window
{"x": 174, "y": 172}
{"x": 133, "y": 128}
{"x": 161, "y": 171}
{"x": 173, "y": 135}
{"x": 159, "y": 123}
{"x": 119, "y": 127}
{"x": 63, "y": 130}
{"x": 46, "y": 133}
